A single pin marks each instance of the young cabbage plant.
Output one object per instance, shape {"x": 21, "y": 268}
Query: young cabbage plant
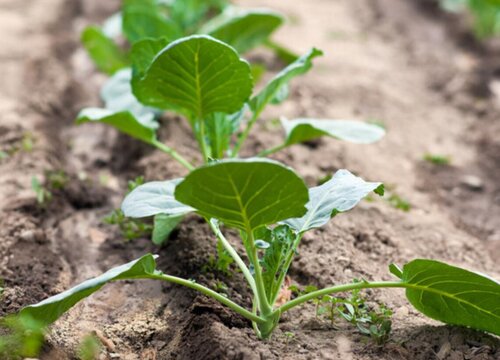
{"x": 272, "y": 208}
{"x": 205, "y": 81}
{"x": 244, "y": 29}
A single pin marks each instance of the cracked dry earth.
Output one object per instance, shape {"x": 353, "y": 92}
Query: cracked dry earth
{"x": 401, "y": 62}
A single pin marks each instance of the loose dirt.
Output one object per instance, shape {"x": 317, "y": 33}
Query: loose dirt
{"x": 402, "y": 63}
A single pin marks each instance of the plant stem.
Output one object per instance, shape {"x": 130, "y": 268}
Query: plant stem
{"x": 264, "y": 306}
{"x": 204, "y": 290}
{"x": 272, "y": 150}
{"x": 338, "y": 288}
{"x": 244, "y": 269}
{"x": 245, "y": 134}
{"x": 202, "y": 141}
{"x": 174, "y": 154}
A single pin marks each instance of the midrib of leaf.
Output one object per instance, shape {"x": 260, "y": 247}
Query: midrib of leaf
{"x": 314, "y": 210}
{"x": 197, "y": 79}
{"x": 240, "y": 204}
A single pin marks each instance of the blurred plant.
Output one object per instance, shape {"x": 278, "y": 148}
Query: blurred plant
{"x": 486, "y": 14}
{"x": 22, "y": 337}
{"x": 437, "y": 159}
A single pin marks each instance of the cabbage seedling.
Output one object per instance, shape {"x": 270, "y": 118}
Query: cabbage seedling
{"x": 207, "y": 82}
{"x": 272, "y": 208}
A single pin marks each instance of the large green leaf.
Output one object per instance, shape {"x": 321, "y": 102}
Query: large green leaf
{"x": 117, "y": 96}
{"x": 268, "y": 93}
{"x": 301, "y": 130}
{"x": 453, "y": 295}
{"x": 341, "y": 193}
{"x": 197, "y": 75}
{"x": 244, "y": 193}
{"x": 152, "y": 198}
{"x": 142, "y": 19}
{"x": 123, "y": 121}
{"x": 52, "y": 308}
{"x": 243, "y": 29}
{"x": 107, "y": 56}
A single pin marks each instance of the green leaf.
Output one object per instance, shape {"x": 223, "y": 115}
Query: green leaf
{"x": 142, "y": 19}
{"x": 107, "y": 56}
{"x": 339, "y": 194}
{"x": 198, "y": 76}
{"x": 245, "y": 194}
{"x": 268, "y": 93}
{"x": 52, "y": 308}
{"x": 453, "y": 295}
{"x": 123, "y": 121}
{"x": 301, "y": 130}
{"x": 243, "y": 29}
{"x": 152, "y": 198}
{"x": 163, "y": 226}
{"x": 117, "y": 96}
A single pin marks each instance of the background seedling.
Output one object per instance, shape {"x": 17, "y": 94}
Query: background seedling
{"x": 268, "y": 202}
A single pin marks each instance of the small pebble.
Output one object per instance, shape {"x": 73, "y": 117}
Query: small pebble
{"x": 472, "y": 182}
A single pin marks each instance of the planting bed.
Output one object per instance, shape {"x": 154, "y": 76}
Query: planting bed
{"x": 404, "y": 63}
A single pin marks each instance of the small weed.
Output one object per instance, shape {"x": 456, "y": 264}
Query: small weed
{"x": 89, "y": 348}
{"x": 437, "y": 159}
{"x": 399, "y": 203}
{"x": 43, "y": 195}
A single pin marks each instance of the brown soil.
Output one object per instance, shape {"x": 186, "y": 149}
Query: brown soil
{"x": 401, "y": 62}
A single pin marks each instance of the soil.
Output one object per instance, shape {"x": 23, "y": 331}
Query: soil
{"x": 406, "y": 64}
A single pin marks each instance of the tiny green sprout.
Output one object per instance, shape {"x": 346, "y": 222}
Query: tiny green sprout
{"x": 90, "y": 348}
{"x": 398, "y": 202}
{"x": 3, "y": 155}
{"x": 437, "y": 159}
{"x": 289, "y": 336}
{"x": 129, "y": 228}
{"x": 43, "y": 195}
{"x": 265, "y": 200}
{"x": 27, "y": 142}
{"x": 56, "y": 179}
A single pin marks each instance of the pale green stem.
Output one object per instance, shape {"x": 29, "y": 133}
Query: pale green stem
{"x": 339, "y": 288}
{"x": 264, "y": 307}
{"x": 244, "y": 269}
{"x": 272, "y": 150}
{"x": 245, "y": 134}
{"x": 174, "y": 154}
{"x": 204, "y": 290}
{"x": 202, "y": 141}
